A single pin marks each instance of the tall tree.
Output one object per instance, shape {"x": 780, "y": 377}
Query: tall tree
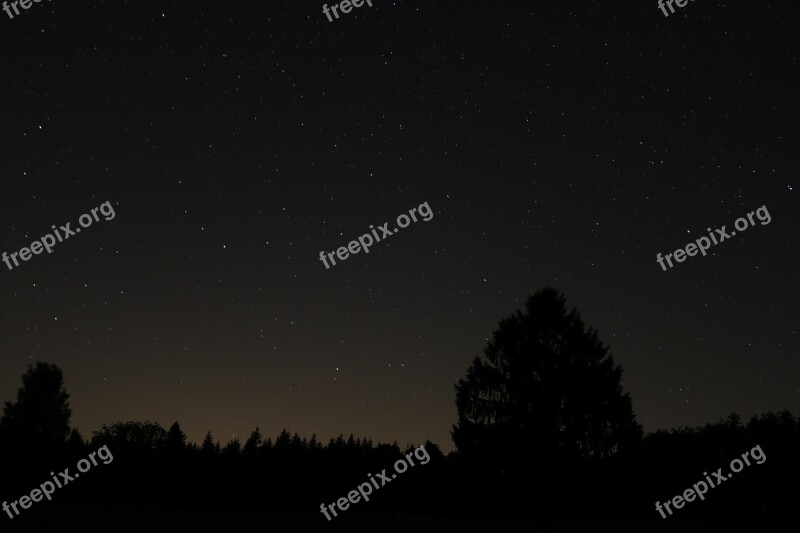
{"x": 40, "y": 416}
{"x": 176, "y": 438}
{"x": 208, "y": 447}
{"x": 546, "y": 389}
{"x": 252, "y": 444}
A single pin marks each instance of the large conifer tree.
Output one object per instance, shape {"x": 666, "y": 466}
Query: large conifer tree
{"x": 546, "y": 389}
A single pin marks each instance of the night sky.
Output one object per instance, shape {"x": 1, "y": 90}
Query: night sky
{"x": 558, "y": 144}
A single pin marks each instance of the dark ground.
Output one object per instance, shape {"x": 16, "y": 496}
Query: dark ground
{"x": 68, "y": 519}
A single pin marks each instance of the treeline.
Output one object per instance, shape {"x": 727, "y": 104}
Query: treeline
{"x": 289, "y": 473}
{"x": 154, "y": 466}
{"x": 494, "y": 473}
{"x": 157, "y": 467}
{"x": 662, "y": 465}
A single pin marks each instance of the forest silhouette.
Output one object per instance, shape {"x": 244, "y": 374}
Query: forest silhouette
{"x": 544, "y": 431}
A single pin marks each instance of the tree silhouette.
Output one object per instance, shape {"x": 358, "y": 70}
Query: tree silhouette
{"x": 544, "y": 355}
{"x": 253, "y": 443}
{"x": 176, "y": 438}
{"x": 546, "y": 390}
{"x": 734, "y": 420}
{"x": 40, "y": 416}
{"x": 76, "y": 443}
{"x": 208, "y": 446}
{"x": 233, "y": 448}
{"x": 139, "y": 437}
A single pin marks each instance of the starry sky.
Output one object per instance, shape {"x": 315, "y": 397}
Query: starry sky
{"x": 558, "y": 144}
